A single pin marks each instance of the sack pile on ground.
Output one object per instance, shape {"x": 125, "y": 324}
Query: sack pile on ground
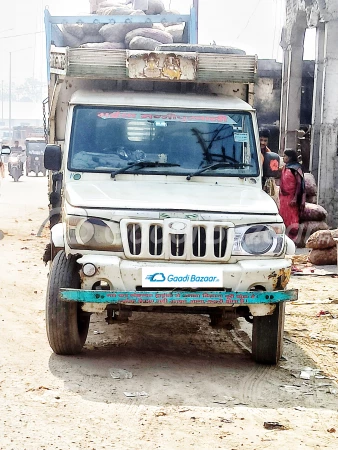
{"x": 323, "y": 247}
{"x": 314, "y": 216}
{"x": 134, "y": 36}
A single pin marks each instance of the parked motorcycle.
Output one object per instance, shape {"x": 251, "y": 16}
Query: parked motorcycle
{"x": 15, "y": 167}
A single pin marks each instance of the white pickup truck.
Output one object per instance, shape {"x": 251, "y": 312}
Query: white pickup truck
{"x": 156, "y": 194}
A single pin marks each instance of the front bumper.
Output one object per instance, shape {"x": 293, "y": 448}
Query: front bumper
{"x": 178, "y": 298}
{"x": 258, "y": 285}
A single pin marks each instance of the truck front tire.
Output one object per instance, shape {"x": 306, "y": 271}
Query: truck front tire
{"x": 67, "y": 325}
{"x": 267, "y": 336}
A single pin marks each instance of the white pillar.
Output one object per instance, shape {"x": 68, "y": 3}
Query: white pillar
{"x": 292, "y": 85}
{"x": 317, "y": 100}
{"x": 292, "y": 122}
{"x": 284, "y": 96}
{"x": 328, "y": 151}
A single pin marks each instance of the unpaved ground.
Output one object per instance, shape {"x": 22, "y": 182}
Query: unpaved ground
{"x": 204, "y": 391}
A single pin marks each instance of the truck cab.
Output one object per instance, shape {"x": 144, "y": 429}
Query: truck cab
{"x": 156, "y": 195}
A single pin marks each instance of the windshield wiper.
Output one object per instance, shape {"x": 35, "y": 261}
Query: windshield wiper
{"x": 141, "y": 165}
{"x": 218, "y": 165}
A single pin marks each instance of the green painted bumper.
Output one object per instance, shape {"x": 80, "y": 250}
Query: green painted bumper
{"x": 181, "y": 298}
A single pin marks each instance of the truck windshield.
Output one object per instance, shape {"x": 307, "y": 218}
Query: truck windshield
{"x": 182, "y": 142}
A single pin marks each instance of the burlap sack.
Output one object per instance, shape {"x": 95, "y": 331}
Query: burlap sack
{"x": 176, "y": 32}
{"x": 157, "y": 35}
{"x": 154, "y": 7}
{"x": 306, "y": 229}
{"x": 92, "y": 38}
{"x": 320, "y": 239}
{"x": 91, "y": 28}
{"x": 143, "y": 43}
{"x": 310, "y": 184}
{"x": 323, "y": 257}
{"x": 74, "y": 29}
{"x": 159, "y": 26}
{"x": 108, "y": 3}
{"x": 123, "y": 10}
{"x": 313, "y": 212}
{"x": 69, "y": 40}
{"x": 311, "y": 199}
{"x": 117, "y": 32}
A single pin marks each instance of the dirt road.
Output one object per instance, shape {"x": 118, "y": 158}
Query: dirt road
{"x": 203, "y": 390}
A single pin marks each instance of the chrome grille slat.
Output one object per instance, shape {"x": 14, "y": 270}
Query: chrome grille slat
{"x": 199, "y": 241}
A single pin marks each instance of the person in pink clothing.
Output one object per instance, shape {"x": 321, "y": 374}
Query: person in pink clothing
{"x": 291, "y": 193}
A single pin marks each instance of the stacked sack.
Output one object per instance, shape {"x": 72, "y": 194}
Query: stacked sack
{"x": 323, "y": 247}
{"x": 134, "y": 36}
{"x": 313, "y": 218}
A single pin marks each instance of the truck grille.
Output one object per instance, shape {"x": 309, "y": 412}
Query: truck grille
{"x": 171, "y": 239}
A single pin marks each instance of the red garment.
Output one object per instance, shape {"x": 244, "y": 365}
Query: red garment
{"x": 287, "y": 193}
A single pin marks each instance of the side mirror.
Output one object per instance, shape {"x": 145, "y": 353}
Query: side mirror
{"x": 5, "y": 150}
{"x": 52, "y": 157}
{"x": 271, "y": 165}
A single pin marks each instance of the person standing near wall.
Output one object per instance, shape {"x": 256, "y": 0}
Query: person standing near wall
{"x": 264, "y": 135}
{"x": 291, "y": 193}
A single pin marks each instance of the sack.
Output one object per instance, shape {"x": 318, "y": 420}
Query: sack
{"x": 161, "y": 36}
{"x": 142, "y": 43}
{"x": 154, "y": 7}
{"x": 311, "y": 198}
{"x": 74, "y": 29}
{"x": 306, "y": 229}
{"x": 310, "y": 184}
{"x": 176, "y": 32}
{"x": 323, "y": 257}
{"x": 117, "y": 32}
{"x": 69, "y": 40}
{"x": 91, "y": 28}
{"x": 91, "y": 38}
{"x": 320, "y": 239}
{"x": 118, "y": 10}
{"x": 313, "y": 212}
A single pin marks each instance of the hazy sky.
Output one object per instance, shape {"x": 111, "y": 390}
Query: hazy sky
{"x": 253, "y": 25}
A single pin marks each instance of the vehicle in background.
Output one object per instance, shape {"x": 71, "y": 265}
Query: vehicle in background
{"x": 4, "y": 151}
{"x": 15, "y": 166}
{"x": 35, "y": 149}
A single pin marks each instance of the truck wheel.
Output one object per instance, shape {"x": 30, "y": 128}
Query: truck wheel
{"x": 220, "y": 49}
{"x": 67, "y": 325}
{"x": 267, "y": 336}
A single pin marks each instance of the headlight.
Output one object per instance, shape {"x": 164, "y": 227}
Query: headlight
{"x": 93, "y": 234}
{"x": 259, "y": 239}
{"x": 36, "y": 158}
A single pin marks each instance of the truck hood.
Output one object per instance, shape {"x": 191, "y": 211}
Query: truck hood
{"x": 187, "y": 196}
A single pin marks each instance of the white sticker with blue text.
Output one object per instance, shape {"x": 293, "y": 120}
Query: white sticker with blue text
{"x": 241, "y": 137}
{"x": 181, "y": 277}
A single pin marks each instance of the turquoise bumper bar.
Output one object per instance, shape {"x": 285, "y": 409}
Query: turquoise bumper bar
{"x": 181, "y": 298}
